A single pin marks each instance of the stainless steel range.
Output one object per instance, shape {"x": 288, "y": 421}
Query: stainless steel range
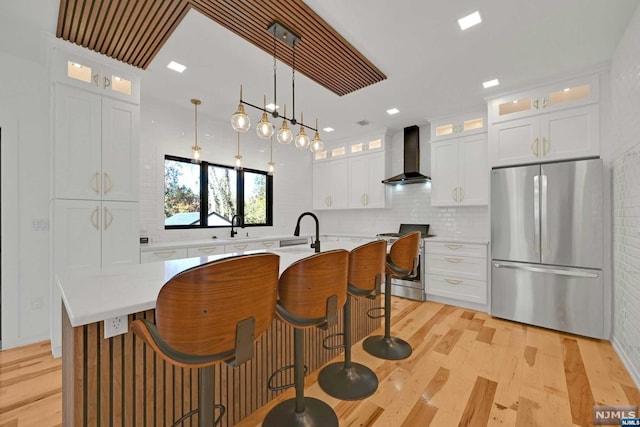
{"x": 414, "y": 286}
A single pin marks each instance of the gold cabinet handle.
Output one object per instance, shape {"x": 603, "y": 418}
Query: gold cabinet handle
{"x": 267, "y": 244}
{"x": 108, "y": 183}
{"x": 164, "y": 254}
{"x": 96, "y": 79}
{"x": 327, "y": 201}
{"x": 107, "y": 82}
{"x": 535, "y": 104}
{"x": 208, "y": 250}
{"x": 546, "y": 145}
{"x": 461, "y": 193}
{"x": 94, "y": 218}
{"x": 453, "y": 260}
{"x": 534, "y": 147}
{"x": 363, "y": 200}
{"x": 94, "y": 182}
{"x": 454, "y": 247}
{"x": 108, "y": 218}
{"x": 240, "y": 247}
{"x": 453, "y": 281}
{"x": 454, "y": 194}
{"x": 544, "y": 102}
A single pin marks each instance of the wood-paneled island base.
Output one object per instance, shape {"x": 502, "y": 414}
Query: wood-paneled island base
{"x": 120, "y": 381}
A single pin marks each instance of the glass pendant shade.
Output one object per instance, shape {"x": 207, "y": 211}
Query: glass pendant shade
{"x": 316, "y": 144}
{"x": 238, "y": 161}
{"x": 264, "y": 129}
{"x": 196, "y": 152}
{"x": 272, "y": 167}
{"x": 285, "y": 136}
{"x": 240, "y": 121}
{"x": 302, "y": 140}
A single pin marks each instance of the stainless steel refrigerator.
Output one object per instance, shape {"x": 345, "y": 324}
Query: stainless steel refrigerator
{"x": 547, "y": 246}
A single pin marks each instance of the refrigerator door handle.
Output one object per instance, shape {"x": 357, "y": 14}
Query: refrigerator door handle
{"x": 536, "y": 213}
{"x": 543, "y": 214}
{"x": 575, "y": 273}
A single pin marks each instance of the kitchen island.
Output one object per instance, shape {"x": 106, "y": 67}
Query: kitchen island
{"x": 120, "y": 381}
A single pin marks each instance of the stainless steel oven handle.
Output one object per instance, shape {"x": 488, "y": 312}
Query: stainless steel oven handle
{"x": 575, "y": 273}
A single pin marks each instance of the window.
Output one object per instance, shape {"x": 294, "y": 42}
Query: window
{"x": 198, "y": 195}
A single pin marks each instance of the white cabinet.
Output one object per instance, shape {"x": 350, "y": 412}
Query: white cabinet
{"x": 366, "y": 189}
{"x": 458, "y": 126}
{"x": 557, "y": 122}
{"x": 97, "y": 148}
{"x": 557, "y": 96}
{"x": 97, "y": 77}
{"x": 457, "y": 271}
{"x": 564, "y": 134}
{"x": 460, "y": 172}
{"x": 330, "y": 184}
{"x": 93, "y": 234}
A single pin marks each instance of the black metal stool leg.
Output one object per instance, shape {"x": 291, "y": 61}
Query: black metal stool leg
{"x": 347, "y": 380}
{"x": 387, "y": 347}
{"x": 301, "y": 411}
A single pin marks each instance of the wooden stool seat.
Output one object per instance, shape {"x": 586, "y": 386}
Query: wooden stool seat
{"x": 349, "y": 380}
{"x": 211, "y": 314}
{"x": 402, "y": 261}
{"x": 310, "y": 292}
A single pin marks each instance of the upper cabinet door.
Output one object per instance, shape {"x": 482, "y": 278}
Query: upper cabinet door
{"x": 444, "y": 173}
{"x": 120, "y": 150}
{"x": 78, "y": 173}
{"x": 571, "y": 133}
{"x": 473, "y": 173}
{"x": 458, "y": 126}
{"x": 515, "y": 142}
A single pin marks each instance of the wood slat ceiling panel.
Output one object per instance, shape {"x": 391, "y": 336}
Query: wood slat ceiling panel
{"x": 134, "y": 32}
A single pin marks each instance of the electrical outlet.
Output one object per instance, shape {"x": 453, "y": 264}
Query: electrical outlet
{"x": 115, "y": 326}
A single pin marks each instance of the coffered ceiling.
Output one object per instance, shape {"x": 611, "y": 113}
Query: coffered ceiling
{"x": 134, "y": 32}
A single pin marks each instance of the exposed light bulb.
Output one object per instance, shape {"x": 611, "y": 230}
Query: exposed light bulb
{"x": 240, "y": 121}
{"x": 264, "y": 129}
{"x": 238, "y": 161}
{"x": 302, "y": 140}
{"x": 272, "y": 167}
{"x": 285, "y": 136}
{"x": 196, "y": 152}
{"x": 316, "y": 144}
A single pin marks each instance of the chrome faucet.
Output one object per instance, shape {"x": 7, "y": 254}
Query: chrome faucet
{"x": 315, "y": 245}
{"x": 241, "y": 224}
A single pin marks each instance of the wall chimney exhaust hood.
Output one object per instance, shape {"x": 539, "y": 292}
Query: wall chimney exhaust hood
{"x": 411, "y": 174}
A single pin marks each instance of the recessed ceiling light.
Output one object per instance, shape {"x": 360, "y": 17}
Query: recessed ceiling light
{"x": 392, "y": 111}
{"x": 469, "y": 20}
{"x": 173, "y": 65}
{"x": 272, "y": 107}
{"x": 328, "y": 129}
{"x": 490, "y": 83}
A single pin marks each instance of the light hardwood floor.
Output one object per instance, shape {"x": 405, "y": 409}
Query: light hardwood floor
{"x": 467, "y": 369}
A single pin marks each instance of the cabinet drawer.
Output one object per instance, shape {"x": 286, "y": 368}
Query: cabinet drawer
{"x": 270, "y": 244}
{"x": 251, "y": 246}
{"x": 457, "y": 249}
{"x": 162, "y": 255}
{"x": 457, "y": 266}
{"x": 205, "y": 251}
{"x": 457, "y": 288}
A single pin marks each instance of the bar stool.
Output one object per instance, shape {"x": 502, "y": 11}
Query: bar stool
{"x": 402, "y": 261}
{"x": 310, "y": 292}
{"x": 211, "y": 314}
{"x": 348, "y": 380}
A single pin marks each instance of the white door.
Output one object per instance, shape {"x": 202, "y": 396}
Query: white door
{"x": 358, "y": 182}
{"x": 77, "y": 144}
{"x": 444, "y": 173}
{"x": 120, "y": 150}
{"x": 330, "y": 183}
{"x": 515, "y": 142}
{"x": 571, "y": 133}
{"x": 120, "y": 231}
{"x": 473, "y": 173}
{"x": 377, "y": 190}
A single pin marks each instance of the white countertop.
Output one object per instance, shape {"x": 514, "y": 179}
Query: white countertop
{"x": 96, "y": 295}
{"x": 179, "y": 244}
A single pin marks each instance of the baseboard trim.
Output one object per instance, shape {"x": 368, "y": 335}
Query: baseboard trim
{"x": 626, "y": 361}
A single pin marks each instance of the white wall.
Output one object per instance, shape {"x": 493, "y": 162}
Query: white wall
{"x": 24, "y": 118}
{"x": 168, "y": 129}
{"x": 625, "y": 149}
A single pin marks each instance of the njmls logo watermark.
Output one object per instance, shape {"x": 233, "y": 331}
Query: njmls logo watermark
{"x": 616, "y": 415}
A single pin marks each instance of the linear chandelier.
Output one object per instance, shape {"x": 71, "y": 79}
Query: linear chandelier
{"x": 240, "y": 120}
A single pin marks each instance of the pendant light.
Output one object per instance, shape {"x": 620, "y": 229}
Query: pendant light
{"x": 238, "y": 156}
{"x": 196, "y": 148}
{"x": 240, "y": 121}
{"x": 264, "y": 128}
{"x": 271, "y": 165}
{"x": 316, "y": 144}
{"x": 285, "y": 136}
{"x": 302, "y": 140}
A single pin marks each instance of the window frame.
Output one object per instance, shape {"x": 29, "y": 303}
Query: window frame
{"x": 204, "y": 193}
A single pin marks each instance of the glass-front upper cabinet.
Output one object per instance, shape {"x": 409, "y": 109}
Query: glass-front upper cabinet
{"x": 568, "y": 94}
{"x": 458, "y": 126}
{"x": 91, "y": 75}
